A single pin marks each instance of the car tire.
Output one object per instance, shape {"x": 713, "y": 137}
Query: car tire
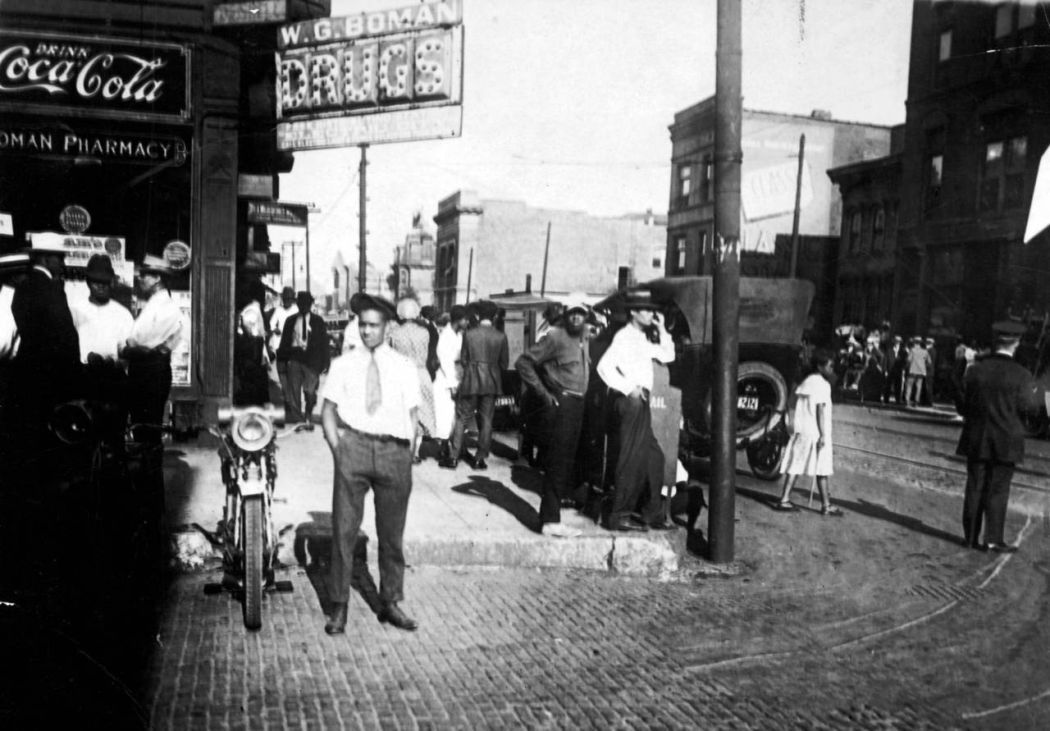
{"x": 755, "y": 378}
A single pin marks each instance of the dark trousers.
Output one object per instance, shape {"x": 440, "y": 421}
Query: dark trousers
{"x": 149, "y": 383}
{"x": 639, "y": 464}
{"x": 987, "y": 493}
{"x": 466, "y": 406}
{"x": 385, "y": 467}
{"x": 300, "y": 396}
{"x": 560, "y": 456}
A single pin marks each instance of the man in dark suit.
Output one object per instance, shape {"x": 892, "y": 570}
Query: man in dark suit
{"x": 484, "y": 357}
{"x": 896, "y": 357}
{"x": 996, "y": 390}
{"x": 304, "y": 348}
{"x": 46, "y": 370}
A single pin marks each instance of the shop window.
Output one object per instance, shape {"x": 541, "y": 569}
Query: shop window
{"x": 878, "y": 229}
{"x": 944, "y": 50}
{"x": 1002, "y": 174}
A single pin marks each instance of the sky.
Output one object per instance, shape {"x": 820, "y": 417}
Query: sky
{"x": 567, "y": 104}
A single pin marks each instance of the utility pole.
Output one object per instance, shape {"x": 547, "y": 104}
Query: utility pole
{"x": 546, "y": 250}
{"x": 793, "y": 272}
{"x": 726, "y": 280}
{"x": 470, "y": 271}
{"x": 362, "y": 259}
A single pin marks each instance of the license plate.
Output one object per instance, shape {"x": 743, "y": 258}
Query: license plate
{"x": 747, "y": 403}
{"x": 252, "y": 487}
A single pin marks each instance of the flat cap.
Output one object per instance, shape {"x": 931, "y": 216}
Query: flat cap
{"x": 640, "y": 299}
{"x": 362, "y": 301}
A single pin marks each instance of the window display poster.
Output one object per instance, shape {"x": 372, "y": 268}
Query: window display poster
{"x": 181, "y": 357}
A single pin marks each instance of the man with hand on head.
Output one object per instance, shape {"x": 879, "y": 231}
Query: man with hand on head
{"x": 627, "y": 369}
{"x": 371, "y": 398}
{"x": 557, "y": 369}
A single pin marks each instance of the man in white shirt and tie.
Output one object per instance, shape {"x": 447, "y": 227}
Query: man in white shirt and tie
{"x": 627, "y": 369}
{"x": 370, "y": 397}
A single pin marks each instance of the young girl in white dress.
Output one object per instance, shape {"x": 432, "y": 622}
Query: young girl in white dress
{"x": 809, "y": 450}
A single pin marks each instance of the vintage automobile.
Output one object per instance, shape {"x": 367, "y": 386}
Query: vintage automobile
{"x": 773, "y": 315}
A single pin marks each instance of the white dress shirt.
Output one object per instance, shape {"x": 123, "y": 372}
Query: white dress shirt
{"x": 8, "y": 329}
{"x": 158, "y": 324}
{"x": 277, "y": 319}
{"x": 628, "y": 363}
{"x": 398, "y": 382}
{"x": 103, "y": 329}
{"x": 450, "y": 345}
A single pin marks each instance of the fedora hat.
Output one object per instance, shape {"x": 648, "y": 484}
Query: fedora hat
{"x": 153, "y": 265}
{"x": 14, "y": 262}
{"x": 47, "y": 243}
{"x": 99, "y": 269}
{"x": 640, "y": 299}
{"x": 362, "y": 301}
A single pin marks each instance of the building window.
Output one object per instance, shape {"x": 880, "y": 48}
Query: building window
{"x": 1004, "y": 20}
{"x": 1013, "y": 17}
{"x": 878, "y": 229}
{"x": 680, "y": 246}
{"x": 1002, "y": 174}
{"x": 853, "y": 244}
{"x": 944, "y": 51}
{"x": 707, "y": 180}
{"x": 657, "y": 262}
{"x": 685, "y": 182}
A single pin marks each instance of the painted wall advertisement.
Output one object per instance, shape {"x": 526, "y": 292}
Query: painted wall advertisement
{"x": 384, "y": 76}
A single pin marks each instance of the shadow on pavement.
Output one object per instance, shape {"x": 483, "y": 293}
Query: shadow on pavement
{"x": 527, "y": 478}
{"x": 502, "y": 497}
{"x": 313, "y": 551}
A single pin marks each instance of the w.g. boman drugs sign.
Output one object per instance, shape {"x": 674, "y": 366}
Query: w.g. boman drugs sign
{"x": 93, "y": 76}
{"x": 383, "y": 76}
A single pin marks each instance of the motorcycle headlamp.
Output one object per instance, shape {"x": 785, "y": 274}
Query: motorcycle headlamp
{"x": 252, "y": 431}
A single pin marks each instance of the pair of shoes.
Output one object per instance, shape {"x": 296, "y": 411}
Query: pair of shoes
{"x": 392, "y": 614}
{"x": 569, "y": 504}
{"x": 448, "y": 463}
{"x": 663, "y": 525}
{"x": 478, "y": 464}
{"x": 1001, "y": 548}
{"x": 336, "y": 624}
{"x": 977, "y": 546}
{"x": 560, "y": 530}
{"x": 785, "y": 507}
{"x": 831, "y": 511}
{"x": 624, "y": 525}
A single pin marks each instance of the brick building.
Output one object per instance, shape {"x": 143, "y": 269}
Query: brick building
{"x": 867, "y": 245}
{"x": 770, "y": 143}
{"x": 490, "y": 246}
{"x": 978, "y": 104}
{"x": 414, "y": 264}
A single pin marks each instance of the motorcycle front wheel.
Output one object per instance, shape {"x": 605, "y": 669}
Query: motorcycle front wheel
{"x": 253, "y": 560}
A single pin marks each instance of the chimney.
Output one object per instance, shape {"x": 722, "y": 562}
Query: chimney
{"x": 528, "y": 283}
{"x": 821, "y": 114}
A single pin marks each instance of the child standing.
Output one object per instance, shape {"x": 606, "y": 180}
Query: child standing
{"x": 809, "y": 451}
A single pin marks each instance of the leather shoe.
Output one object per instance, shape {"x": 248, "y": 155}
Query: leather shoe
{"x": 478, "y": 464}
{"x": 336, "y": 624}
{"x": 1001, "y": 548}
{"x": 392, "y": 614}
{"x": 624, "y": 525}
{"x": 448, "y": 463}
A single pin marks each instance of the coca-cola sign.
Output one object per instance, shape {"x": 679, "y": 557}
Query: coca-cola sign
{"x": 94, "y": 76}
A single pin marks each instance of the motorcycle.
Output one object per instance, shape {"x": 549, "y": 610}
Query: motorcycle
{"x": 249, "y": 472}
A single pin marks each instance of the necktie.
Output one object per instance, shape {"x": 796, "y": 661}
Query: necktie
{"x": 305, "y": 334}
{"x": 373, "y": 391}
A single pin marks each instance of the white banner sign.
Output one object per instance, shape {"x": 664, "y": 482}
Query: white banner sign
{"x": 398, "y": 126}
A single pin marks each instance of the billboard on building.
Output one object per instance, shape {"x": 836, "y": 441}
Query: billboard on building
{"x": 383, "y": 76}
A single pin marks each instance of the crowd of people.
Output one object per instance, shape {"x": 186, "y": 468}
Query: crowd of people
{"x": 54, "y": 349}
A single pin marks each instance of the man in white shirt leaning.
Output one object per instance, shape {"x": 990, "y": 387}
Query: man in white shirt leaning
{"x": 627, "y": 369}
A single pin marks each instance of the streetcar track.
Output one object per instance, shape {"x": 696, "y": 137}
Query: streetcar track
{"x": 941, "y": 468}
{"x": 928, "y": 439}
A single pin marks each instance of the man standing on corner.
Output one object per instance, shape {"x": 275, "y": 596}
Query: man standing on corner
{"x": 627, "y": 368}
{"x": 996, "y": 390}
{"x": 372, "y": 393}
{"x": 557, "y": 369}
{"x": 485, "y": 356}
{"x": 304, "y": 351}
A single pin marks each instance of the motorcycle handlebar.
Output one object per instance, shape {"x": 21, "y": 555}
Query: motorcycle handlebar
{"x": 230, "y": 414}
